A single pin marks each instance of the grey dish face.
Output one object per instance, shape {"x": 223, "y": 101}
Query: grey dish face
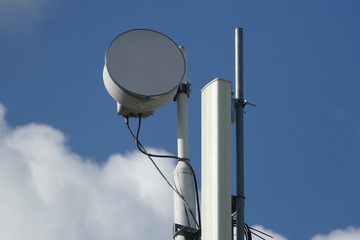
{"x": 145, "y": 63}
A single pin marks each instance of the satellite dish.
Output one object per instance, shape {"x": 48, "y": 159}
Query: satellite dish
{"x": 143, "y": 70}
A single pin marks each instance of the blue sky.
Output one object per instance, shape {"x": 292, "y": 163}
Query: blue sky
{"x": 301, "y": 61}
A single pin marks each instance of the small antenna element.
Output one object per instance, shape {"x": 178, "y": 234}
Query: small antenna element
{"x": 143, "y": 70}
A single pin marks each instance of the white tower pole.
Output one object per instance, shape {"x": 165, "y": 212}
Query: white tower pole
{"x": 183, "y": 117}
{"x": 216, "y": 160}
{"x": 183, "y": 174}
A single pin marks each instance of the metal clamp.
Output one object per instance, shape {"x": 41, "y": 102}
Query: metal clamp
{"x": 233, "y": 202}
{"x": 243, "y": 102}
{"x": 236, "y": 103}
{"x": 188, "y": 232}
{"x": 183, "y": 88}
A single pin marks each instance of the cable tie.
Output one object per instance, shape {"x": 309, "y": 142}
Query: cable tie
{"x": 240, "y": 196}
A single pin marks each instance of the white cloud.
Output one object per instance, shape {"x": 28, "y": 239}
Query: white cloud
{"x": 350, "y": 233}
{"x": 49, "y": 192}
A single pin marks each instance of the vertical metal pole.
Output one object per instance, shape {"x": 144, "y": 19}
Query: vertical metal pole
{"x": 239, "y": 107}
{"x": 183, "y": 117}
{"x": 183, "y": 175}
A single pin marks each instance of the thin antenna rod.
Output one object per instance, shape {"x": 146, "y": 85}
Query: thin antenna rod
{"x": 239, "y": 107}
{"x": 239, "y": 66}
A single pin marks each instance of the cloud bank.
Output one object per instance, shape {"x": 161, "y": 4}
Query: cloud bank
{"x": 350, "y": 233}
{"x": 49, "y": 192}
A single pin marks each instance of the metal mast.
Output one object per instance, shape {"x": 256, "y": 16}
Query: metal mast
{"x": 239, "y": 108}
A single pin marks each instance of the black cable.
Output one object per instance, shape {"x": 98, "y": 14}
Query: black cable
{"x": 143, "y": 150}
{"x": 196, "y": 191}
{"x": 186, "y": 212}
{"x": 247, "y": 232}
{"x": 259, "y": 232}
{"x": 153, "y": 155}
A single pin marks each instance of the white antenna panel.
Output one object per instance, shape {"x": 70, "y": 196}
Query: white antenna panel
{"x": 143, "y": 70}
